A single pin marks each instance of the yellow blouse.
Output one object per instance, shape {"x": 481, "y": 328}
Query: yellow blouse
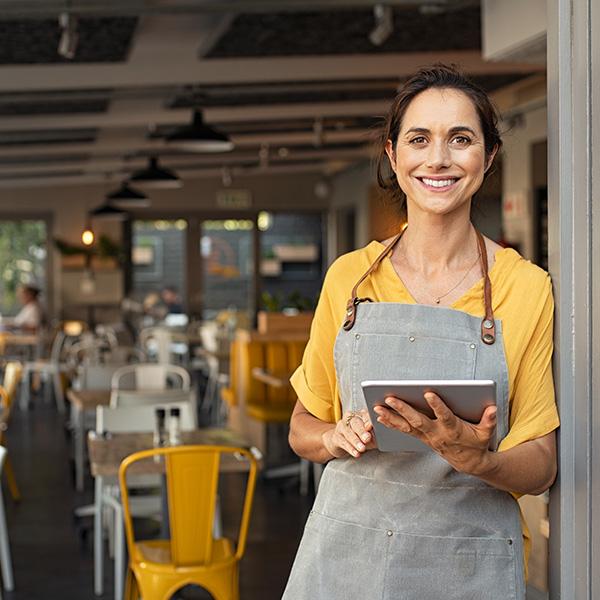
{"x": 522, "y": 300}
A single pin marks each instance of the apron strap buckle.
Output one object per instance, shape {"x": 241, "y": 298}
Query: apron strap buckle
{"x": 488, "y": 330}
{"x": 351, "y": 307}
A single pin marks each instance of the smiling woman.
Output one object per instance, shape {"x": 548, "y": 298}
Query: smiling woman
{"x": 443, "y": 523}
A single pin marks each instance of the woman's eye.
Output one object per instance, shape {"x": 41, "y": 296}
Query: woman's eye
{"x": 461, "y": 140}
{"x": 420, "y": 139}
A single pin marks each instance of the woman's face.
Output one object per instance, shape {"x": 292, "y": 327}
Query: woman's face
{"x": 439, "y": 158}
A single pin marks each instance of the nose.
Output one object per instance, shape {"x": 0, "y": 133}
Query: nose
{"x": 439, "y": 155}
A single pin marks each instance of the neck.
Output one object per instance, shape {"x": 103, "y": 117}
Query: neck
{"x": 438, "y": 242}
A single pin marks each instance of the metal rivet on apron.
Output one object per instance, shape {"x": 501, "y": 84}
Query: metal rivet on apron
{"x": 509, "y": 542}
{"x": 411, "y": 338}
{"x": 390, "y": 533}
{"x": 488, "y": 324}
{"x": 473, "y": 346}
{"x": 488, "y": 338}
{"x": 357, "y": 336}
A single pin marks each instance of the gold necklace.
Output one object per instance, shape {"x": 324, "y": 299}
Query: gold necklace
{"x": 439, "y": 298}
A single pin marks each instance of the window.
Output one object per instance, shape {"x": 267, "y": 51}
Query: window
{"x": 23, "y": 250}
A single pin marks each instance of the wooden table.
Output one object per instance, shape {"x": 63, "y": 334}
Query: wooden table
{"x": 107, "y": 452}
{"x": 82, "y": 402}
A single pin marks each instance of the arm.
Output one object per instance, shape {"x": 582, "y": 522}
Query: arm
{"x": 319, "y": 441}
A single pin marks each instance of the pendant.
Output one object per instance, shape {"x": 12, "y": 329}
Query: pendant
{"x": 438, "y": 301}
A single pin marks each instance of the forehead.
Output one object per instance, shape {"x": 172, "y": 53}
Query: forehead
{"x": 441, "y": 109}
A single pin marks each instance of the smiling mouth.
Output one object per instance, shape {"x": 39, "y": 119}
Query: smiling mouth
{"x": 440, "y": 185}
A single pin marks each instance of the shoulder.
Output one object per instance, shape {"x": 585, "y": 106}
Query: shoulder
{"x": 350, "y": 267}
{"x": 520, "y": 284}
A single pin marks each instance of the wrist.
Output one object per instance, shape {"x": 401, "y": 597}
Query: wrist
{"x": 486, "y": 466}
{"x": 328, "y": 447}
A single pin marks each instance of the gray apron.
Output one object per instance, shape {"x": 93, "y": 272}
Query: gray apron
{"x": 406, "y": 525}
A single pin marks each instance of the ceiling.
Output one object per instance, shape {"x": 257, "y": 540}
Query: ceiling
{"x": 298, "y": 86}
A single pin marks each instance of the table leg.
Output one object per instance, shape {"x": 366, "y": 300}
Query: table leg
{"x": 98, "y": 550}
{"x": 119, "y": 542}
{"x": 78, "y": 446}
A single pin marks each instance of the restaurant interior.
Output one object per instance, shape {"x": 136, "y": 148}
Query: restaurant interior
{"x": 175, "y": 178}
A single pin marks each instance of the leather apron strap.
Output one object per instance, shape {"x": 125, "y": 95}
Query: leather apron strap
{"x": 488, "y": 325}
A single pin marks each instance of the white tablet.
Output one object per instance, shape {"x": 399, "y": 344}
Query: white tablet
{"x": 466, "y": 398}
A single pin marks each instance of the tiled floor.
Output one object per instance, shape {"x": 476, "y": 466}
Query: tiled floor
{"x": 52, "y": 561}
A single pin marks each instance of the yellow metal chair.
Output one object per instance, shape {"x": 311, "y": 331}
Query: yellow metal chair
{"x": 8, "y": 392}
{"x": 158, "y": 568}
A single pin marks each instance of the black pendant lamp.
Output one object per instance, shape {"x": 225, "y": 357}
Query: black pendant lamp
{"x": 199, "y": 137}
{"x": 128, "y": 197}
{"x": 155, "y": 176}
{"x": 108, "y": 211}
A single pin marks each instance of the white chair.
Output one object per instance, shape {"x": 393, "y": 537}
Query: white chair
{"x": 5, "y": 560}
{"x": 150, "y": 376}
{"x": 161, "y": 342}
{"x": 52, "y": 367}
{"x": 127, "y": 419}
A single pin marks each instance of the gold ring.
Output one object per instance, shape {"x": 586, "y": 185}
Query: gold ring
{"x": 351, "y": 416}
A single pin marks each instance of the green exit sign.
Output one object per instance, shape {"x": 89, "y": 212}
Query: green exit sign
{"x": 234, "y": 199}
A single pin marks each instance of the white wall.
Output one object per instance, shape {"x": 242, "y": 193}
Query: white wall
{"x": 351, "y": 188}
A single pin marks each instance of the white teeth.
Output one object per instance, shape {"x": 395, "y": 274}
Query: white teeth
{"x": 439, "y": 183}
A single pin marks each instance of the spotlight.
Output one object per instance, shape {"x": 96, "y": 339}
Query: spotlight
{"x": 384, "y": 24}
{"x": 67, "y": 44}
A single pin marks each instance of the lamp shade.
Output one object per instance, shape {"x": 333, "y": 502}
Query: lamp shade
{"x": 155, "y": 176}
{"x": 108, "y": 211}
{"x": 199, "y": 137}
{"x": 128, "y": 197}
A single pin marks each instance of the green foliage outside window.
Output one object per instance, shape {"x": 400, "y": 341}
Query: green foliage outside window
{"x": 22, "y": 260}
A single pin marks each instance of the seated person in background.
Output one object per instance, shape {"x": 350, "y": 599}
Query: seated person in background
{"x": 30, "y": 317}
{"x": 171, "y": 300}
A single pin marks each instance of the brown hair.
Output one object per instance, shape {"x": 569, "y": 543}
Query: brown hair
{"x": 438, "y": 76}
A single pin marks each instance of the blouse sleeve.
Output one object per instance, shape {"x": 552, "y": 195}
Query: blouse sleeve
{"x": 314, "y": 380}
{"x": 533, "y": 411}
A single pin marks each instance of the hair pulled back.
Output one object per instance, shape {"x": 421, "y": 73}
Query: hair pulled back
{"x": 439, "y": 76}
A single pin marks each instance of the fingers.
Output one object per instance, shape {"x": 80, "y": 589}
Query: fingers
{"x": 351, "y": 447}
{"x": 414, "y": 418}
{"x": 488, "y": 420}
{"x": 442, "y": 413}
{"x": 351, "y": 431}
{"x": 390, "y": 418}
{"x": 362, "y": 428}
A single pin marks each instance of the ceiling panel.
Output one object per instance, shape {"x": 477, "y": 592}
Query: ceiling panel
{"x": 346, "y": 32}
{"x": 48, "y": 136}
{"x": 101, "y": 40}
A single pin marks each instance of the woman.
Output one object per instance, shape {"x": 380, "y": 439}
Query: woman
{"x": 31, "y": 315}
{"x": 437, "y": 301}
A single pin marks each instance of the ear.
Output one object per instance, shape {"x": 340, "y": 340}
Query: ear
{"x": 389, "y": 150}
{"x": 490, "y": 159}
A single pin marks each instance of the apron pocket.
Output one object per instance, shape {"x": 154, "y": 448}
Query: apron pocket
{"x": 420, "y": 567}
{"x": 391, "y": 356}
{"x": 337, "y": 560}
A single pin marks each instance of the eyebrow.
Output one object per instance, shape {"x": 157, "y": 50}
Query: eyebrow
{"x": 452, "y": 130}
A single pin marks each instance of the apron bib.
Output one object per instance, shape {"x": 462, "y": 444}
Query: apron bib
{"x": 406, "y": 525}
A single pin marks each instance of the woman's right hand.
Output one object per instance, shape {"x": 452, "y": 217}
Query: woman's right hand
{"x": 352, "y": 434}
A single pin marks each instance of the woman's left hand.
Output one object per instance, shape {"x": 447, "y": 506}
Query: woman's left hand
{"x": 464, "y": 445}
